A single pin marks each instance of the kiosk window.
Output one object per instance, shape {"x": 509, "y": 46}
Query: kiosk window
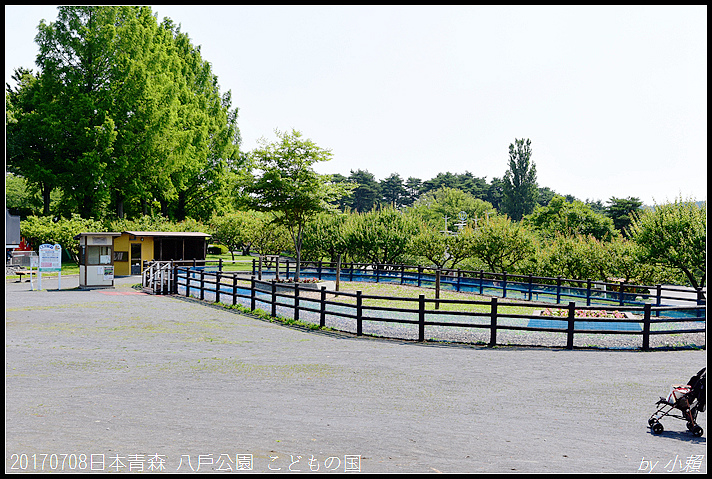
{"x": 98, "y": 255}
{"x": 121, "y": 255}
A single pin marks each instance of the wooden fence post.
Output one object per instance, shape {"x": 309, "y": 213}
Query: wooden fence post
{"x": 531, "y": 279}
{"x": 322, "y": 312}
{"x": 252, "y": 293}
{"x": 620, "y": 298}
{"x": 218, "y": 279}
{"x": 202, "y": 284}
{"x": 437, "y": 288}
{"x": 646, "y": 327}
{"x": 359, "y": 314}
{"x": 504, "y": 284}
{"x": 338, "y": 272}
{"x": 421, "y": 318}
{"x": 570, "y": 326}
{"x": 558, "y": 289}
{"x": 296, "y": 301}
{"x": 187, "y": 282}
{"x": 234, "y": 289}
{"x": 274, "y": 298}
{"x": 493, "y": 322}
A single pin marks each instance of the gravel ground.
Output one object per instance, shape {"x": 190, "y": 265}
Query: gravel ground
{"x": 125, "y": 377}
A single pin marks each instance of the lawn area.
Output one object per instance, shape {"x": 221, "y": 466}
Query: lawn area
{"x": 241, "y": 263}
{"x": 390, "y": 291}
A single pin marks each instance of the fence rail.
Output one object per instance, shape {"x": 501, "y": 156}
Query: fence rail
{"x": 271, "y": 296}
{"x": 504, "y": 285}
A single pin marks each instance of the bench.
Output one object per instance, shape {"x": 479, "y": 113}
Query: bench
{"x": 21, "y": 273}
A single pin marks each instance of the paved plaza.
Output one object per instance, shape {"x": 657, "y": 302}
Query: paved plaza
{"x": 119, "y": 381}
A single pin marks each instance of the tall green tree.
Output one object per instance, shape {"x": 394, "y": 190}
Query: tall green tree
{"x": 131, "y": 111}
{"x": 34, "y": 135}
{"x": 520, "y": 190}
{"x": 674, "y": 235}
{"x": 622, "y": 211}
{"x": 367, "y": 191}
{"x": 287, "y": 186}
{"x": 393, "y": 191}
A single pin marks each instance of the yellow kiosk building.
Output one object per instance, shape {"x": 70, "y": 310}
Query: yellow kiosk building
{"x": 130, "y": 249}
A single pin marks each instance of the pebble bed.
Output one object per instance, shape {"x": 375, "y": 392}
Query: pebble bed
{"x": 466, "y": 335}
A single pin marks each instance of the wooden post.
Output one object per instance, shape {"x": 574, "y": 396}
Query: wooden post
{"x": 570, "y": 326}
{"x": 296, "y": 301}
{"x": 234, "y": 289}
{"x": 322, "y": 311}
{"x": 338, "y": 272}
{"x": 259, "y": 271}
{"x": 588, "y": 293}
{"x": 620, "y": 298}
{"x": 202, "y": 284}
{"x": 646, "y": 327}
{"x": 421, "y": 318}
{"x": 359, "y": 314}
{"x": 493, "y": 322}
{"x": 558, "y": 289}
{"x": 252, "y": 293}
{"x": 437, "y": 288}
{"x": 218, "y": 279}
{"x": 274, "y": 298}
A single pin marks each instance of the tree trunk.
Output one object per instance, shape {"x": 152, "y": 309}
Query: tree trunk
{"x": 46, "y": 190}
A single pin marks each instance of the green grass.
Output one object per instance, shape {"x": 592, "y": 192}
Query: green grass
{"x": 241, "y": 263}
{"x": 412, "y": 292}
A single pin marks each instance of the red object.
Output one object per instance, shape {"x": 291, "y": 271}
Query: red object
{"x": 24, "y": 246}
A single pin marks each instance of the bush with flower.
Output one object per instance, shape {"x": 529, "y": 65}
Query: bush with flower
{"x": 301, "y": 280}
{"x": 583, "y": 313}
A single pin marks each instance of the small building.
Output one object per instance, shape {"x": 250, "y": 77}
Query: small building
{"x": 132, "y": 248}
{"x": 96, "y": 259}
{"x": 12, "y": 231}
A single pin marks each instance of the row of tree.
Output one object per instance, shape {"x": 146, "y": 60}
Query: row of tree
{"x": 125, "y": 118}
{"x": 664, "y": 245}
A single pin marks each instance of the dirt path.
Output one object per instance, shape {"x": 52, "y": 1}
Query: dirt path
{"x": 143, "y": 381}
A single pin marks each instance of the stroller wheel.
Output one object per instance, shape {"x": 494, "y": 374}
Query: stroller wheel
{"x": 658, "y": 428}
{"x": 652, "y": 421}
{"x": 697, "y": 431}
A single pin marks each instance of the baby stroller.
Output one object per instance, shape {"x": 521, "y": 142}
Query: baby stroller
{"x": 689, "y": 399}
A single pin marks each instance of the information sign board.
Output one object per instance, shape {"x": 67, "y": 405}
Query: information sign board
{"x": 50, "y": 258}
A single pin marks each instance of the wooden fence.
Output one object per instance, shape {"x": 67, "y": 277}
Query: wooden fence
{"x": 228, "y": 287}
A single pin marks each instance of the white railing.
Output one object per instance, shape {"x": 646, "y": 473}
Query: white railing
{"x": 158, "y": 277}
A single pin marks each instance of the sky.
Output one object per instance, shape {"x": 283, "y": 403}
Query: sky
{"x": 613, "y": 98}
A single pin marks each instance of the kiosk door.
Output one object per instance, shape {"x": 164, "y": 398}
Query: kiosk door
{"x": 135, "y": 258}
